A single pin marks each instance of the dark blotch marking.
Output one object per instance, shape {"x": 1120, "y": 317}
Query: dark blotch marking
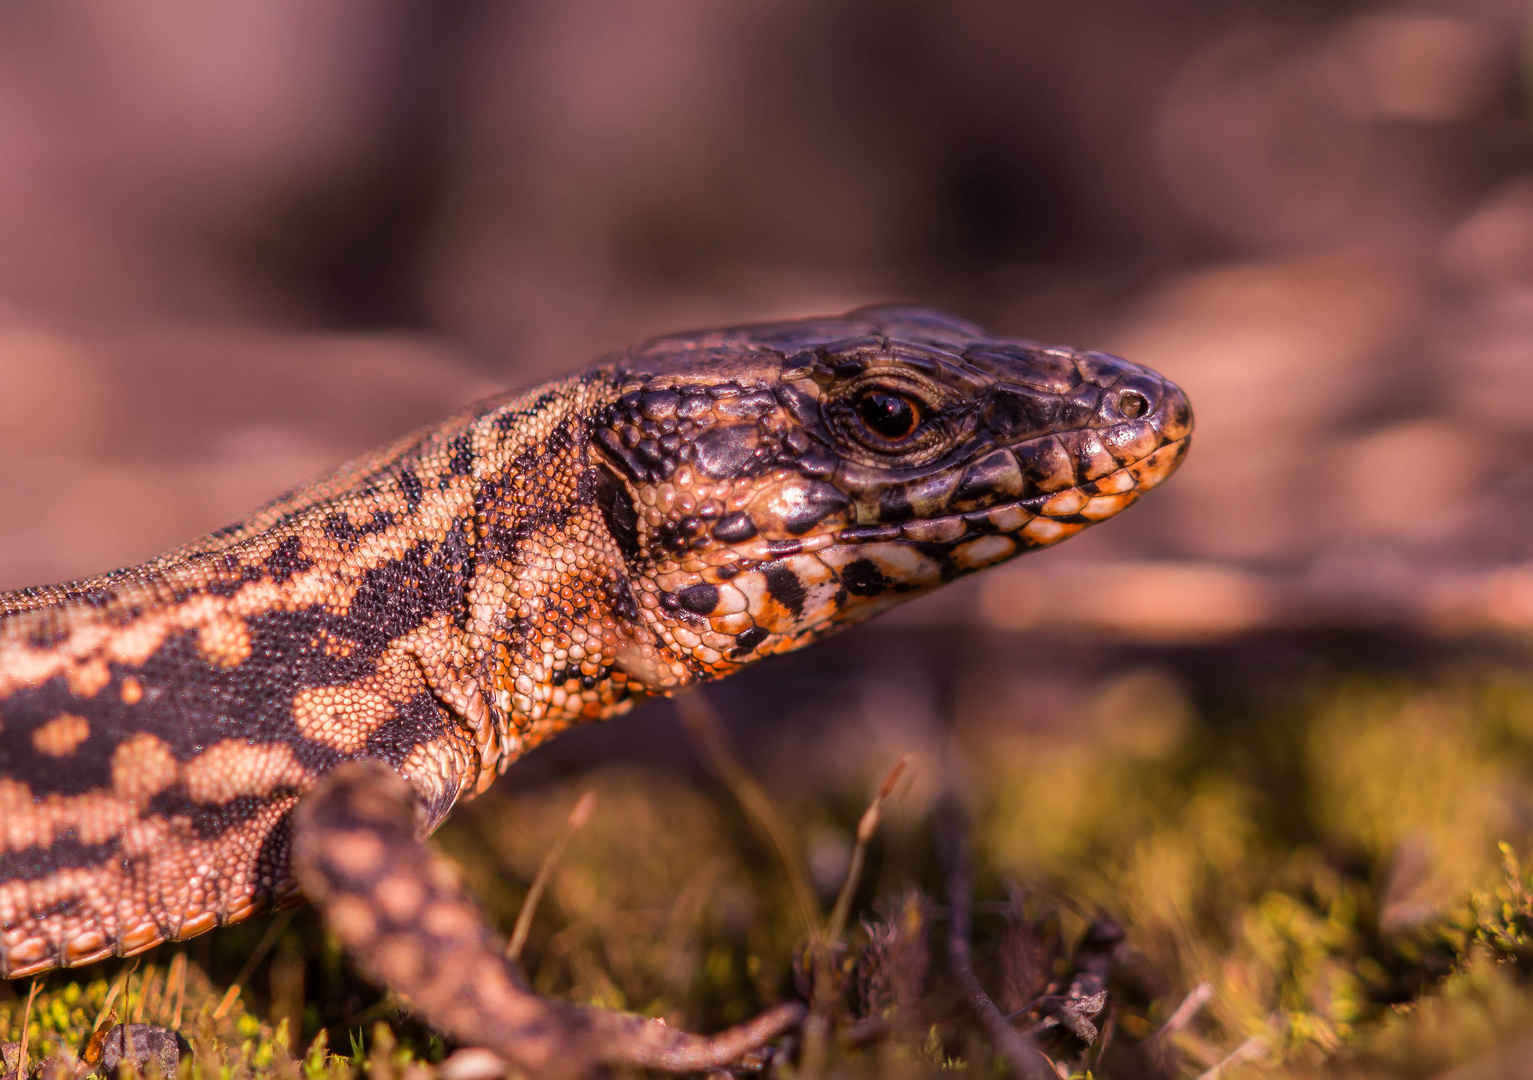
{"x": 983, "y": 478}
{"x": 621, "y": 601}
{"x": 819, "y": 502}
{"x": 894, "y": 504}
{"x": 65, "y": 853}
{"x": 340, "y": 528}
{"x": 419, "y": 720}
{"x": 1079, "y": 406}
{"x": 734, "y": 528}
{"x": 726, "y": 451}
{"x": 817, "y": 464}
{"x": 617, "y": 511}
{"x": 864, "y": 578}
{"x": 784, "y": 586}
{"x": 288, "y": 559}
{"x": 411, "y": 488}
{"x": 1014, "y": 414}
{"x": 48, "y": 633}
{"x": 212, "y": 820}
{"x": 700, "y": 599}
{"x": 749, "y": 639}
{"x": 239, "y": 577}
{"x": 620, "y": 455}
{"x": 462, "y": 462}
{"x": 800, "y": 405}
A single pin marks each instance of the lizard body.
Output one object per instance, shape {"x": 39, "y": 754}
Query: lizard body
{"x": 429, "y": 612}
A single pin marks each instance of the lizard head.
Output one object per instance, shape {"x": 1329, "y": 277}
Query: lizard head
{"x": 769, "y": 484}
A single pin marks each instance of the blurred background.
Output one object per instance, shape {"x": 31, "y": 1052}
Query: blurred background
{"x": 238, "y": 245}
{"x": 242, "y": 242}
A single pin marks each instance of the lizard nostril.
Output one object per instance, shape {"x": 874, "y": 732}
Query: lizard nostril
{"x": 1132, "y": 404}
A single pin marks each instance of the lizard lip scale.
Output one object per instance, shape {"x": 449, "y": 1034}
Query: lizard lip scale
{"x": 284, "y": 707}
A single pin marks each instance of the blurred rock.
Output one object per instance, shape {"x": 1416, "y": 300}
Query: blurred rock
{"x": 1494, "y": 245}
{"x": 1418, "y": 66}
{"x": 1256, "y": 143}
{"x": 1173, "y": 602}
{"x": 1272, "y": 356}
{"x": 1411, "y": 478}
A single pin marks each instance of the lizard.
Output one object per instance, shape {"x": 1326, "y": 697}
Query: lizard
{"x": 286, "y": 707}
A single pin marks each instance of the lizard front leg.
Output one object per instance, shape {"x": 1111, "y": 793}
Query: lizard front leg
{"x": 400, "y": 912}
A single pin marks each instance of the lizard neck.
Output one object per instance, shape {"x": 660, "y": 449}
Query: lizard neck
{"x": 554, "y": 633}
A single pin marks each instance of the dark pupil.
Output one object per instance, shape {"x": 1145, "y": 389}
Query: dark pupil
{"x": 887, "y": 415}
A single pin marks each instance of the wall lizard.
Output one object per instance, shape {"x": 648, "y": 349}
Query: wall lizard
{"x": 287, "y": 706}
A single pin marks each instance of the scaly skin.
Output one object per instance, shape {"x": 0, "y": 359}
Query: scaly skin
{"x": 385, "y": 641}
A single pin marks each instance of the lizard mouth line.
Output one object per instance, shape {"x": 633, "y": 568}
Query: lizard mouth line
{"x": 1037, "y": 521}
{"x": 1040, "y": 519}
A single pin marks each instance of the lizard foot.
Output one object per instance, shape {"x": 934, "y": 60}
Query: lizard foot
{"x": 402, "y": 915}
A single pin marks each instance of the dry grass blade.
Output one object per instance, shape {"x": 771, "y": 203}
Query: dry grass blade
{"x": 1016, "y": 1048}
{"x": 268, "y": 939}
{"x": 576, "y": 821}
{"x": 175, "y": 983}
{"x": 703, "y": 723}
{"x": 1250, "y": 1050}
{"x": 865, "y": 830}
{"x": 822, "y": 949}
{"x": 111, "y": 996}
{"x": 26, "y": 1024}
{"x": 1191, "y": 1005}
{"x": 149, "y": 985}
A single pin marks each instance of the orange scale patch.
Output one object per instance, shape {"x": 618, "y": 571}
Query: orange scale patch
{"x": 341, "y": 717}
{"x": 60, "y": 736}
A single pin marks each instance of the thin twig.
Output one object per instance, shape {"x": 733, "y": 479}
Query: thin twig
{"x": 573, "y": 824}
{"x": 1016, "y": 1048}
{"x": 865, "y": 830}
{"x": 1250, "y": 1050}
{"x": 703, "y": 723}
{"x": 268, "y": 939}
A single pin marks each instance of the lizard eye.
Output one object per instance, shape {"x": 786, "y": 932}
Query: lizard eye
{"x": 888, "y": 416}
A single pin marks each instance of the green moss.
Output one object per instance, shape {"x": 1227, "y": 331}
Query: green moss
{"x": 1344, "y": 874}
